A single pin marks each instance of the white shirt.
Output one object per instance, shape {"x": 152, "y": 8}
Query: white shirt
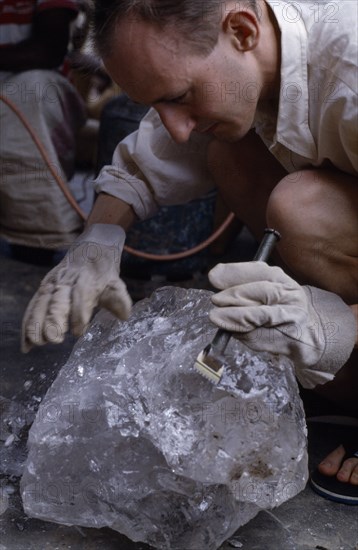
{"x": 316, "y": 123}
{"x": 317, "y": 120}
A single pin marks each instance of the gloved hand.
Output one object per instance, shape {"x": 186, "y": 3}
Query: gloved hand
{"x": 269, "y": 311}
{"x": 88, "y": 276}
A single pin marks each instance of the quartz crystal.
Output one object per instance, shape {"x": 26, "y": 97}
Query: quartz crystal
{"x": 131, "y": 437}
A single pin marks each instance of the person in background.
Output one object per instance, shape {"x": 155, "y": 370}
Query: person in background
{"x": 257, "y": 98}
{"x": 34, "y": 40}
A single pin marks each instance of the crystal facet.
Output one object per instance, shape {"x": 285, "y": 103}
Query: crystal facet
{"x": 131, "y": 437}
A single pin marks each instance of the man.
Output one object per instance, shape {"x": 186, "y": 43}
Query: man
{"x": 259, "y": 99}
{"x": 34, "y": 41}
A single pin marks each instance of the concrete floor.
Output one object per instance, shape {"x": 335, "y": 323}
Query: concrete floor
{"x": 306, "y": 522}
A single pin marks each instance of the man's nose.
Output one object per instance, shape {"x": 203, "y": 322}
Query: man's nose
{"x": 177, "y": 120}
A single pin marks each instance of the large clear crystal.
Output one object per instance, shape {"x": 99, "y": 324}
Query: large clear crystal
{"x": 131, "y": 437}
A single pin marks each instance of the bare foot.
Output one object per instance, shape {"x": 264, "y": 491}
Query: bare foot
{"x": 346, "y": 471}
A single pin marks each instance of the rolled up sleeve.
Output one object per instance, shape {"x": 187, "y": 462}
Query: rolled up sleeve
{"x": 150, "y": 170}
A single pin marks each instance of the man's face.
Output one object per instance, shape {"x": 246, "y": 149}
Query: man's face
{"x": 215, "y": 94}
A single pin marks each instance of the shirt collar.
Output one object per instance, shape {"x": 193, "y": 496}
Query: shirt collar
{"x": 292, "y": 128}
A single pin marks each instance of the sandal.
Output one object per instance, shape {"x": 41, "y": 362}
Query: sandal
{"x": 331, "y": 488}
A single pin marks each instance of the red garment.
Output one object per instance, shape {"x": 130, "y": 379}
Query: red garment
{"x": 16, "y": 17}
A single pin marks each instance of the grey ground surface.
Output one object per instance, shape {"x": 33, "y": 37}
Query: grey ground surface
{"x": 303, "y": 523}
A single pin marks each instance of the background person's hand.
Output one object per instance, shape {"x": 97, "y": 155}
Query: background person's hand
{"x": 269, "y": 311}
{"x": 88, "y": 276}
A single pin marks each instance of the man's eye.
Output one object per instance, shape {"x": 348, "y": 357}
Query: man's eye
{"x": 178, "y": 99}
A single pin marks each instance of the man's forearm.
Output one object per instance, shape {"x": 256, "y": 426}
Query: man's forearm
{"x": 111, "y": 210}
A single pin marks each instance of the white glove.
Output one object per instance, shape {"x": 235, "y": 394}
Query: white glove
{"x": 88, "y": 276}
{"x": 269, "y": 311}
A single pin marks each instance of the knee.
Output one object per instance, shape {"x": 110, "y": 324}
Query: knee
{"x": 292, "y": 203}
{"x": 293, "y": 209}
{"x": 318, "y": 224}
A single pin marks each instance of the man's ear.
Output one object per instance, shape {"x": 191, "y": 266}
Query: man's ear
{"x": 244, "y": 27}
